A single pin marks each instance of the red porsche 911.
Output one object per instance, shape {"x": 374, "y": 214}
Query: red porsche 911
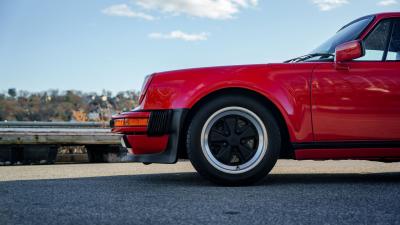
{"x": 341, "y": 101}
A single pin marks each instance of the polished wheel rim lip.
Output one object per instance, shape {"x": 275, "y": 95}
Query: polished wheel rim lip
{"x": 262, "y": 140}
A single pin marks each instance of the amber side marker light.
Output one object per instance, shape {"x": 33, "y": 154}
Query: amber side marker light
{"x": 131, "y": 122}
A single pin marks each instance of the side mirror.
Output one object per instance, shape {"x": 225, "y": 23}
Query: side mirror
{"x": 348, "y": 51}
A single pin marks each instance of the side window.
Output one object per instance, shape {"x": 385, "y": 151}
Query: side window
{"x": 394, "y": 46}
{"x": 376, "y": 42}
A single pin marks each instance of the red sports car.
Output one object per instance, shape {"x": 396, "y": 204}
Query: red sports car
{"x": 341, "y": 101}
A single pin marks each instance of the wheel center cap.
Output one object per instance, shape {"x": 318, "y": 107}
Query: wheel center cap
{"x": 234, "y": 140}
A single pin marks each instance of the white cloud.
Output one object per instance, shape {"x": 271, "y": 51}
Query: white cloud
{"x": 212, "y": 9}
{"x": 180, "y": 35}
{"x": 387, "y": 2}
{"x": 326, "y": 5}
{"x": 126, "y": 11}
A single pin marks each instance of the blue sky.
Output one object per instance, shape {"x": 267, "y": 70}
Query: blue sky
{"x": 93, "y": 45}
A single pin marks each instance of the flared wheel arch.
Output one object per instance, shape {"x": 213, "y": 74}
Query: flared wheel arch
{"x": 287, "y": 151}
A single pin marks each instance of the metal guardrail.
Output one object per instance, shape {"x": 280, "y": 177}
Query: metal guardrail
{"x": 58, "y": 133}
{"x": 34, "y": 124}
{"x": 38, "y": 142}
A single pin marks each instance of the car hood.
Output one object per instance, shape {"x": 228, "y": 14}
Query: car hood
{"x": 215, "y": 70}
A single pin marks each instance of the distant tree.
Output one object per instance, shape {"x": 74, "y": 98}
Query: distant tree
{"x": 53, "y": 93}
{"x": 12, "y": 92}
{"x": 2, "y": 108}
{"x": 23, "y": 94}
{"x": 64, "y": 106}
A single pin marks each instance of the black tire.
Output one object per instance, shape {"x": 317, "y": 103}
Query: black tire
{"x": 200, "y": 158}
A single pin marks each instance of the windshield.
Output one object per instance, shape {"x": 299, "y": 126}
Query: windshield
{"x": 348, "y": 33}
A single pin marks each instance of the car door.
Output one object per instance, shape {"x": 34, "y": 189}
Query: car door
{"x": 361, "y": 102}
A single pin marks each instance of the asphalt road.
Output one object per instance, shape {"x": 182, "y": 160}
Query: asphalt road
{"x": 342, "y": 192}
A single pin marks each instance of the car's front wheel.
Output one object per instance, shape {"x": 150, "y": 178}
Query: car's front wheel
{"x": 233, "y": 140}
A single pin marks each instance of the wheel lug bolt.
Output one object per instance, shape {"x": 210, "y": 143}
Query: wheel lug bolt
{"x": 225, "y": 144}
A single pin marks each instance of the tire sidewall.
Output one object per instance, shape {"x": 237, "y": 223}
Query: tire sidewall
{"x": 199, "y": 160}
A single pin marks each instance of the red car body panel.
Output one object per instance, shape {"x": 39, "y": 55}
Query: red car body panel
{"x": 285, "y": 85}
{"x": 319, "y": 102}
{"x": 361, "y": 103}
{"x": 143, "y": 144}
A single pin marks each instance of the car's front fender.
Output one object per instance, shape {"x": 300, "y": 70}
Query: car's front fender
{"x": 287, "y": 86}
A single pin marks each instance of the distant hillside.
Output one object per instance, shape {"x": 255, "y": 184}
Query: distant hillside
{"x": 71, "y": 105}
